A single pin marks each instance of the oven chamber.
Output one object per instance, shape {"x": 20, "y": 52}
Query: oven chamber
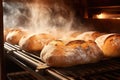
{"x": 89, "y": 12}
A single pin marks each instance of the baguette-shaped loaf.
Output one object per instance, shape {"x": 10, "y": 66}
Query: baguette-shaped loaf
{"x": 35, "y": 42}
{"x": 109, "y": 44}
{"x": 5, "y": 33}
{"x": 58, "y": 54}
{"x": 89, "y": 35}
{"x": 15, "y": 35}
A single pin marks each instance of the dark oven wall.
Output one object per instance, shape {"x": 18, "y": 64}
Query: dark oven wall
{"x": 67, "y": 10}
{"x": 110, "y": 8}
{"x": 105, "y": 25}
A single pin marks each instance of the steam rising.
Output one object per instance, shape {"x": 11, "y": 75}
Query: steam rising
{"x": 14, "y": 14}
{"x": 43, "y": 16}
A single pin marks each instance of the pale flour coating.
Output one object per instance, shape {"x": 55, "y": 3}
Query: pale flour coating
{"x": 57, "y": 55}
{"x": 101, "y": 39}
{"x": 109, "y": 44}
{"x": 85, "y": 36}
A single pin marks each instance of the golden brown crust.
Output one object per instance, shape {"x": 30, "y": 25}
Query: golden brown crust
{"x": 96, "y": 34}
{"x": 75, "y": 42}
{"x": 36, "y": 42}
{"x": 58, "y": 42}
{"x": 70, "y": 55}
{"x": 32, "y": 44}
{"x": 15, "y": 35}
{"x": 6, "y": 31}
{"x": 75, "y": 34}
{"x": 111, "y": 47}
{"x": 90, "y": 35}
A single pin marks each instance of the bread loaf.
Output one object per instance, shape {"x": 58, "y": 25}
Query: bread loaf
{"x": 5, "y": 33}
{"x": 75, "y": 34}
{"x": 58, "y": 54}
{"x": 15, "y": 35}
{"x": 109, "y": 44}
{"x": 90, "y": 35}
{"x": 35, "y": 42}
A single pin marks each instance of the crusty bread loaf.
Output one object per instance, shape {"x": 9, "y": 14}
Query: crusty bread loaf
{"x": 58, "y": 54}
{"x": 75, "y": 42}
{"x": 75, "y": 34}
{"x": 35, "y": 42}
{"x": 14, "y": 35}
{"x": 109, "y": 44}
{"x": 90, "y": 35}
{"x": 5, "y": 33}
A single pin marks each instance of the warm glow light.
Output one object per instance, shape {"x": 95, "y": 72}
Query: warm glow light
{"x": 116, "y": 18}
{"x": 107, "y": 16}
{"x": 100, "y": 16}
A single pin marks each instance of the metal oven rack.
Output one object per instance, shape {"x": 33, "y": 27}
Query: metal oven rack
{"x": 108, "y": 69}
{"x": 27, "y": 61}
{"x": 23, "y": 75}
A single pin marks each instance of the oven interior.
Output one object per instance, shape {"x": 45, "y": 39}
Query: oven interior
{"x": 100, "y": 15}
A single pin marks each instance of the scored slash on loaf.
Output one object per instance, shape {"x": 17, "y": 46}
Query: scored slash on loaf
{"x": 109, "y": 44}
{"x": 89, "y": 35}
{"x": 35, "y": 42}
{"x": 57, "y": 54}
{"x": 13, "y": 35}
